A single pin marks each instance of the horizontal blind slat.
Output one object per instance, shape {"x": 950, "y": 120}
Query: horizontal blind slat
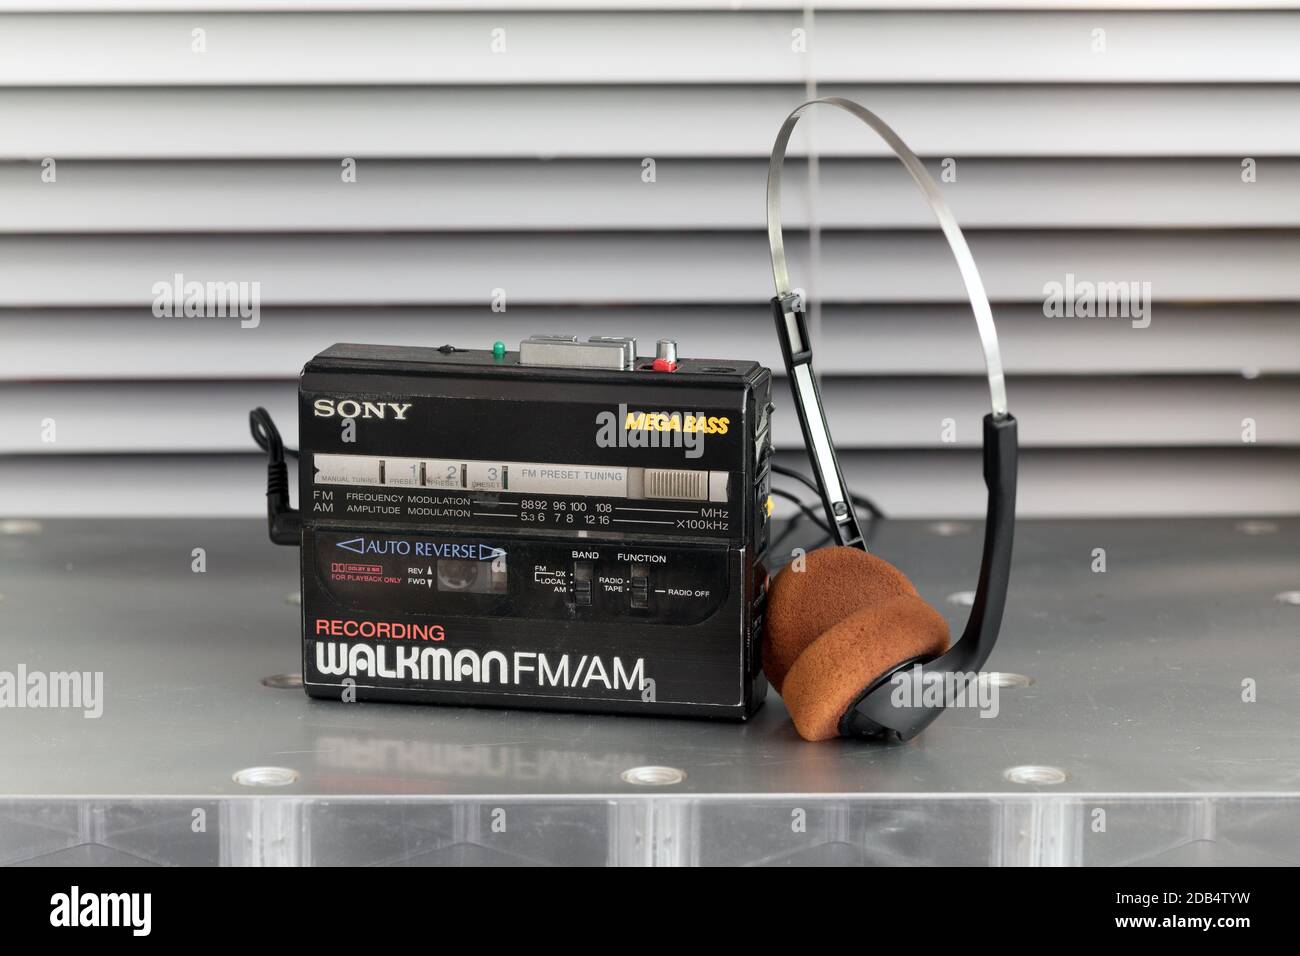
{"x": 704, "y": 268}
{"x": 557, "y": 121}
{"x": 740, "y": 46}
{"x": 611, "y": 194}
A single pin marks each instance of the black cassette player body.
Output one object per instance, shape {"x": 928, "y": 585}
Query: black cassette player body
{"x": 570, "y": 526}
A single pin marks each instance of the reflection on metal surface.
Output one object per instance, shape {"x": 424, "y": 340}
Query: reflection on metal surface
{"x": 283, "y": 681}
{"x": 371, "y": 763}
{"x": 1256, "y": 527}
{"x": 949, "y": 529}
{"x": 1003, "y": 679}
{"x": 19, "y": 526}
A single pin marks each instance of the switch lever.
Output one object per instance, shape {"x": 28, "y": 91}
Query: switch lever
{"x": 640, "y": 587}
{"x": 582, "y": 583}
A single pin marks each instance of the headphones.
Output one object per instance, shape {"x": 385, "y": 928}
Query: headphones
{"x": 842, "y": 628}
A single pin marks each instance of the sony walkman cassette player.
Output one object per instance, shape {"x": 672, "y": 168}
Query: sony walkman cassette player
{"x": 569, "y": 525}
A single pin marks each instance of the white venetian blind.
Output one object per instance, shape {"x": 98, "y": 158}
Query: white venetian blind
{"x": 505, "y": 147}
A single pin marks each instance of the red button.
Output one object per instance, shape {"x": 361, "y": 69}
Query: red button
{"x": 663, "y": 365}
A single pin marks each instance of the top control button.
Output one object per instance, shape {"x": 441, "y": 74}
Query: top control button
{"x": 665, "y": 356}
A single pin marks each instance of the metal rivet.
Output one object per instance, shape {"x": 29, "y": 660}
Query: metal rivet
{"x": 962, "y": 598}
{"x": 1288, "y": 597}
{"x": 1256, "y": 527}
{"x": 283, "y": 681}
{"x": 653, "y": 776}
{"x": 949, "y": 529}
{"x": 265, "y": 776}
{"x": 1036, "y": 774}
{"x": 19, "y": 526}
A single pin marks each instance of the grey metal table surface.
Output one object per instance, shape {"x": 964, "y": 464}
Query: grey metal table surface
{"x": 1159, "y": 722}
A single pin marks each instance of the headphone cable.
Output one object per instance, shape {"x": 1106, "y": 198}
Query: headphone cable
{"x": 862, "y": 501}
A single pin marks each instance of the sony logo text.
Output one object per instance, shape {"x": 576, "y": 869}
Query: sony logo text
{"x": 350, "y": 408}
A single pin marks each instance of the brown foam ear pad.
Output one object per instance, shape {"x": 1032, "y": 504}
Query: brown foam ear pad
{"x": 802, "y": 605}
{"x": 836, "y": 668}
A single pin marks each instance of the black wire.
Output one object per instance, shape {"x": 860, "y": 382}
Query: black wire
{"x": 283, "y": 522}
{"x": 791, "y": 527}
{"x": 803, "y": 508}
{"x": 267, "y": 435}
{"x": 862, "y": 501}
{"x": 797, "y": 476}
{"x": 865, "y": 503}
{"x": 805, "y": 511}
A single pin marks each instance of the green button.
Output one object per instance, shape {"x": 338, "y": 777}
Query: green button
{"x": 498, "y": 350}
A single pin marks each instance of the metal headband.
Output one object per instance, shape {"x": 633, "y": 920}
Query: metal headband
{"x": 970, "y": 276}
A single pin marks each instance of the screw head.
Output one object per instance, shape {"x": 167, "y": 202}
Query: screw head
{"x": 1036, "y": 775}
{"x": 653, "y": 776}
{"x": 265, "y": 776}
